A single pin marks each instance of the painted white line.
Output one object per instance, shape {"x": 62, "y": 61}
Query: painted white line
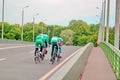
{"x": 2, "y": 59}
{"x": 58, "y": 66}
{"x": 15, "y": 47}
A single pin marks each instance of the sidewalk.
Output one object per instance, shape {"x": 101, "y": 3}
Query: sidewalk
{"x": 98, "y": 67}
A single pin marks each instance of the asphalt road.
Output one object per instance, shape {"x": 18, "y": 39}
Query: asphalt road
{"x": 17, "y": 62}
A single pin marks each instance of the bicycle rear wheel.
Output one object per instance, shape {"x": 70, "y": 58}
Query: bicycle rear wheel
{"x": 42, "y": 57}
{"x": 53, "y": 60}
{"x": 58, "y": 59}
{"x": 36, "y": 59}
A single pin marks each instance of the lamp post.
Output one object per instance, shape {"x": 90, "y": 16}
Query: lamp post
{"x": 23, "y": 20}
{"x": 33, "y": 25}
{"x": 3, "y": 20}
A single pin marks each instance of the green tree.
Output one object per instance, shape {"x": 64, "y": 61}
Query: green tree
{"x": 0, "y": 30}
{"x": 7, "y": 28}
{"x": 111, "y": 38}
{"x": 28, "y": 32}
{"x": 82, "y": 40}
{"x": 67, "y": 36}
{"x": 14, "y": 32}
{"x": 76, "y": 33}
{"x": 93, "y": 38}
{"x": 81, "y": 29}
{"x": 28, "y": 36}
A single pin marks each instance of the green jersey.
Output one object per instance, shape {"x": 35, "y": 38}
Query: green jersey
{"x": 60, "y": 39}
{"x": 46, "y": 38}
{"x": 54, "y": 39}
{"x": 39, "y": 41}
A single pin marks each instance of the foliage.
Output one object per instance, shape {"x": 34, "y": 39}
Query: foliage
{"x": 77, "y": 33}
{"x": 111, "y": 38}
{"x": 11, "y": 31}
{"x": 67, "y": 36}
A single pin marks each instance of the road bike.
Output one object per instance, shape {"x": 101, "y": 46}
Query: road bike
{"x": 44, "y": 52}
{"x": 55, "y": 55}
{"x": 38, "y": 57}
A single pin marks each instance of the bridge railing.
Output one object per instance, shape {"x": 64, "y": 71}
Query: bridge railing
{"x": 113, "y": 55}
{"x": 74, "y": 67}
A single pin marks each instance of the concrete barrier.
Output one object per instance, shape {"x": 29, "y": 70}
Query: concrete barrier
{"x": 73, "y": 69}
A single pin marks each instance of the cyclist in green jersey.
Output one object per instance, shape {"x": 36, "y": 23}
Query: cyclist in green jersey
{"x": 46, "y": 39}
{"x": 60, "y": 42}
{"x": 39, "y": 43}
{"x": 54, "y": 42}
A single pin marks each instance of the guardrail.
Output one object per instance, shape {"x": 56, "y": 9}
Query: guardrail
{"x": 73, "y": 69}
{"x": 113, "y": 55}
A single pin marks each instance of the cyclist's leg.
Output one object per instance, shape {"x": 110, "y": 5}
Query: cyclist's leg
{"x": 45, "y": 47}
{"x": 52, "y": 49}
{"x": 41, "y": 48}
{"x": 36, "y": 49}
{"x": 60, "y": 51}
{"x": 56, "y": 47}
{"x": 46, "y": 44}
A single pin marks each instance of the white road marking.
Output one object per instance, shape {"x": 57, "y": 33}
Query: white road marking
{"x": 15, "y": 47}
{"x": 2, "y": 59}
{"x": 58, "y": 66}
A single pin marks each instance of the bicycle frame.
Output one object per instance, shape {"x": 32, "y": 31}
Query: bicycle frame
{"x": 55, "y": 54}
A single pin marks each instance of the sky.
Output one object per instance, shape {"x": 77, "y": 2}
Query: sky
{"x": 55, "y": 12}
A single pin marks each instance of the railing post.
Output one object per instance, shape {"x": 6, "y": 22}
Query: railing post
{"x": 107, "y": 26}
{"x": 116, "y": 41}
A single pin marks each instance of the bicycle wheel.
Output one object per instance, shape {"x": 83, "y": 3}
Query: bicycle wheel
{"x": 41, "y": 56}
{"x": 44, "y": 51}
{"x": 53, "y": 60}
{"x": 58, "y": 59}
{"x": 36, "y": 59}
{"x": 53, "y": 57}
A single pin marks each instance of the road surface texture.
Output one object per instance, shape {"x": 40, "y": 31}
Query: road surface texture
{"x": 17, "y": 62}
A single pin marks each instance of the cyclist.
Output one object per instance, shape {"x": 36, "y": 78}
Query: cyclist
{"x": 60, "y": 41}
{"x": 46, "y": 39}
{"x": 39, "y": 42}
{"x": 54, "y": 42}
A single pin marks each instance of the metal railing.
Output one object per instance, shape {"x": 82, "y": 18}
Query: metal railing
{"x": 113, "y": 55}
